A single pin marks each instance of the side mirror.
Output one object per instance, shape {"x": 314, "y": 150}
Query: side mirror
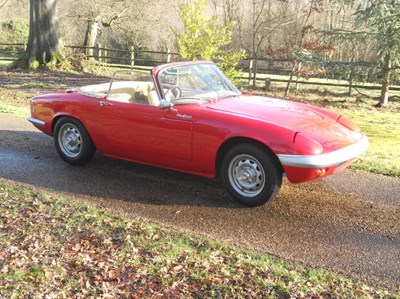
{"x": 164, "y": 104}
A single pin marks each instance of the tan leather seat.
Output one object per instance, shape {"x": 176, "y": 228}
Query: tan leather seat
{"x": 153, "y": 98}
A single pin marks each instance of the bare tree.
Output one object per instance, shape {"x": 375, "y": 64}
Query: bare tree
{"x": 10, "y": 9}
{"x": 382, "y": 18}
{"x": 104, "y": 14}
{"x": 314, "y": 5}
{"x": 3, "y": 3}
{"x": 267, "y": 20}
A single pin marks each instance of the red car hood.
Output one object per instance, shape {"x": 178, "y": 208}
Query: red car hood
{"x": 311, "y": 123}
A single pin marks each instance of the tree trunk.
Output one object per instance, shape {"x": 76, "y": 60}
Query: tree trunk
{"x": 351, "y": 76}
{"x": 384, "y": 99}
{"x": 298, "y": 72}
{"x": 255, "y": 72}
{"x": 91, "y": 36}
{"x": 44, "y": 43}
{"x": 387, "y": 65}
{"x": 287, "y": 90}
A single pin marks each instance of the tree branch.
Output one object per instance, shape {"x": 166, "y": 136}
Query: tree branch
{"x": 3, "y": 3}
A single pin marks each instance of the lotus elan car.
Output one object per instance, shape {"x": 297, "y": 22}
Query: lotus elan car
{"x": 188, "y": 116}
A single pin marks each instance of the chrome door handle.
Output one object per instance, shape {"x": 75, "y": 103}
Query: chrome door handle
{"x": 102, "y": 104}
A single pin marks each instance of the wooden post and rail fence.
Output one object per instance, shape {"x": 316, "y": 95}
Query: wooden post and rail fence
{"x": 113, "y": 57}
{"x": 260, "y": 71}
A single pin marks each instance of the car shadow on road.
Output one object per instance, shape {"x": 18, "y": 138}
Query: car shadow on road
{"x": 30, "y": 157}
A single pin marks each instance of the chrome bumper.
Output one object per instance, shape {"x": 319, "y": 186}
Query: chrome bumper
{"x": 326, "y": 160}
{"x": 36, "y": 121}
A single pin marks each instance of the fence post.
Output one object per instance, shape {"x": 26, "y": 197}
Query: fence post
{"x": 168, "y": 55}
{"x": 132, "y": 56}
{"x": 267, "y": 82}
{"x": 105, "y": 59}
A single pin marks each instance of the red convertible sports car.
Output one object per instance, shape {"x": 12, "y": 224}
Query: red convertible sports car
{"x": 188, "y": 117}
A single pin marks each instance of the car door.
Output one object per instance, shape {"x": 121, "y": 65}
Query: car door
{"x": 145, "y": 133}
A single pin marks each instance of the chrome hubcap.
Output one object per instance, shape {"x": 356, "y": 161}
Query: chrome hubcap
{"x": 246, "y": 175}
{"x": 70, "y": 140}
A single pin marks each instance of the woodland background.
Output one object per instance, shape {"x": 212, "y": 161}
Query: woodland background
{"x": 262, "y": 27}
{"x": 341, "y": 39}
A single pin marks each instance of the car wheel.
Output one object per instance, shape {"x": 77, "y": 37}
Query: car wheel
{"x": 251, "y": 174}
{"x": 73, "y": 142}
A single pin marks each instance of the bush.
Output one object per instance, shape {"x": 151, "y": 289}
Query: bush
{"x": 14, "y": 31}
{"x": 204, "y": 38}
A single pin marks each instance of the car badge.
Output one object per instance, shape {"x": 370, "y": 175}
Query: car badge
{"x": 184, "y": 116}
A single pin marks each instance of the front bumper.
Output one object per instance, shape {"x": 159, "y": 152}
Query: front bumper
{"x": 327, "y": 160}
{"x": 36, "y": 121}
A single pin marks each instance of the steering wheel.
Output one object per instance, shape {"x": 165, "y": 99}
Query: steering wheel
{"x": 175, "y": 91}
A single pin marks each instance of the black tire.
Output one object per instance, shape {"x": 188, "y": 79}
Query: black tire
{"x": 251, "y": 174}
{"x": 73, "y": 142}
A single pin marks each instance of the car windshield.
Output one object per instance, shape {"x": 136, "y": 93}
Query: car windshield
{"x": 195, "y": 83}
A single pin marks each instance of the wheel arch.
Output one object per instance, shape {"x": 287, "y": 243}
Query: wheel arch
{"x": 229, "y": 143}
{"x": 59, "y": 116}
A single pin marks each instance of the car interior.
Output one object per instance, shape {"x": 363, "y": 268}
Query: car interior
{"x": 139, "y": 92}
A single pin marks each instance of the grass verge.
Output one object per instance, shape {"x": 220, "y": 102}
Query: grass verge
{"x": 14, "y": 102}
{"x": 52, "y": 248}
{"x": 382, "y": 129}
{"x": 4, "y": 64}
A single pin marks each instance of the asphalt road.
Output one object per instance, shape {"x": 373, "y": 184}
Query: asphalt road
{"x": 349, "y": 222}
